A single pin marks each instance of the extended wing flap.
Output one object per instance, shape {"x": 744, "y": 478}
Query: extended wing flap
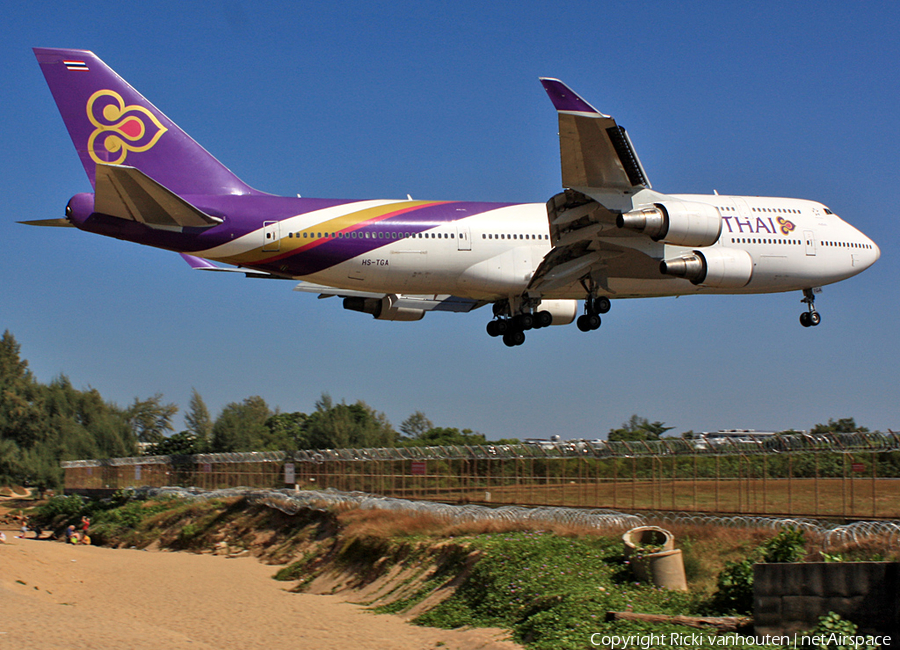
{"x": 443, "y": 302}
{"x": 595, "y": 152}
{"x": 128, "y": 193}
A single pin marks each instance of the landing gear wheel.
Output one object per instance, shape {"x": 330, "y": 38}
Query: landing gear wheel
{"x": 502, "y": 326}
{"x": 514, "y": 338}
{"x": 601, "y": 305}
{"x": 523, "y": 322}
{"x": 543, "y": 319}
{"x": 492, "y": 328}
{"x": 593, "y": 321}
{"x": 583, "y": 323}
{"x": 810, "y": 318}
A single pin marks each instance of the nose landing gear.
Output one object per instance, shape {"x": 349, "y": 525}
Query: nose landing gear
{"x": 810, "y": 318}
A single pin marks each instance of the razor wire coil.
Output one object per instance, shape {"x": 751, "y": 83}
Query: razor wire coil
{"x": 291, "y": 502}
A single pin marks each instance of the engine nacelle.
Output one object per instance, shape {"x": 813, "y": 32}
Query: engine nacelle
{"x": 563, "y": 311}
{"x": 383, "y": 308}
{"x": 680, "y": 223}
{"x": 719, "y": 268}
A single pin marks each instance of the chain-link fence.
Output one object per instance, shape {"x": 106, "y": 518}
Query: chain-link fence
{"x": 850, "y": 476}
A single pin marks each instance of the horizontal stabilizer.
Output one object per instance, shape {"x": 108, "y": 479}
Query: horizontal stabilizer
{"x": 128, "y": 193}
{"x": 200, "y": 264}
{"x": 53, "y": 223}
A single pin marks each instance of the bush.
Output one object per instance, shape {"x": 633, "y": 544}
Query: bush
{"x": 62, "y": 507}
{"x": 832, "y": 631}
{"x": 789, "y": 545}
{"x": 734, "y": 588}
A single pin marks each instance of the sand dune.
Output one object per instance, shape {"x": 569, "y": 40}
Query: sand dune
{"x": 53, "y": 595}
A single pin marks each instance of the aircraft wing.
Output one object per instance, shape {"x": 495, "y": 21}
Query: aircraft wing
{"x": 601, "y": 172}
{"x": 434, "y": 302}
{"x": 595, "y": 152}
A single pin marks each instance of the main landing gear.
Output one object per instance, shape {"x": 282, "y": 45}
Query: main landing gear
{"x": 513, "y": 329}
{"x": 810, "y": 318}
{"x": 514, "y": 317}
{"x": 590, "y": 319}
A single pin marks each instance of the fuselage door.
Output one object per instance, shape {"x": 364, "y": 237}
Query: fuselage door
{"x": 810, "y": 238}
{"x": 271, "y": 241}
{"x": 463, "y": 237}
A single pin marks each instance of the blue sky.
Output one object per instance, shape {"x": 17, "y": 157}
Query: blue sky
{"x": 442, "y": 101}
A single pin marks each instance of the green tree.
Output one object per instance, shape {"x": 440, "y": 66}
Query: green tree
{"x": 655, "y": 430}
{"x": 150, "y": 419}
{"x": 41, "y": 425}
{"x": 198, "y": 421}
{"x": 287, "y": 432}
{"x": 638, "y": 428}
{"x": 446, "y": 436}
{"x": 335, "y": 426}
{"x": 21, "y": 412}
{"x": 416, "y": 425}
{"x": 241, "y": 426}
{"x": 10, "y": 462}
{"x": 843, "y": 425}
{"x": 183, "y": 443}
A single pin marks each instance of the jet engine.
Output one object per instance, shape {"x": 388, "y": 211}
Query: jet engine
{"x": 383, "y": 308}
{"x": 563, "y": 311}
{"x": 679, "y": 223}
{"x": 720, "y": 268}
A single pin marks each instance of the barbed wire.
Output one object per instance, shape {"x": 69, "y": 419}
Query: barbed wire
{"x": 843, "y": 443}
{"x": 291, "y": 502}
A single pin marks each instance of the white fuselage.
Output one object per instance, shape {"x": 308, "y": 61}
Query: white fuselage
{"x": 793, "y": 243}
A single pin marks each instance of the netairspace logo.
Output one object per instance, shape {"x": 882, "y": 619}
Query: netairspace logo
{"x": 647, "y": 641}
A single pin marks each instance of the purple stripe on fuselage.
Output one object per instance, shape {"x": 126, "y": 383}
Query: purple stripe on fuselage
{"x": 408, "y": 225}
{"x": 245, "y": 214}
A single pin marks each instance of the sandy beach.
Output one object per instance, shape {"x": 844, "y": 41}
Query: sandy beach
{"x": 54, "y": 595}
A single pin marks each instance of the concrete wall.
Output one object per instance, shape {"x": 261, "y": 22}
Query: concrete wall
{"x": 788, "y": 598}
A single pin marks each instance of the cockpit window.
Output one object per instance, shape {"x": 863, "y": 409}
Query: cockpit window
{"x": 827, "y": 211}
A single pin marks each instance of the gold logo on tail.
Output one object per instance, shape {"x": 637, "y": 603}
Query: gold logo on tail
{"x": 119, "y": 128}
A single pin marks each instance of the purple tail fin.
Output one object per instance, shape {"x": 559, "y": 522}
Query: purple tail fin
{"x": 110, "y": 122}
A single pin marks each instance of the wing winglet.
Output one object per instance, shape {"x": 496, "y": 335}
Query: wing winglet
{"x": 566, "y": 100}
{"x": 596, "y": 154}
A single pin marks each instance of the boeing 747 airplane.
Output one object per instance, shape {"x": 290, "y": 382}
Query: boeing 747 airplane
{"x": 608, "y": 235}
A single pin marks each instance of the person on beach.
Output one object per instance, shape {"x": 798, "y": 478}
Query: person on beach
{"x": 71, "y": 535}
{"x": 85, "y": 524}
